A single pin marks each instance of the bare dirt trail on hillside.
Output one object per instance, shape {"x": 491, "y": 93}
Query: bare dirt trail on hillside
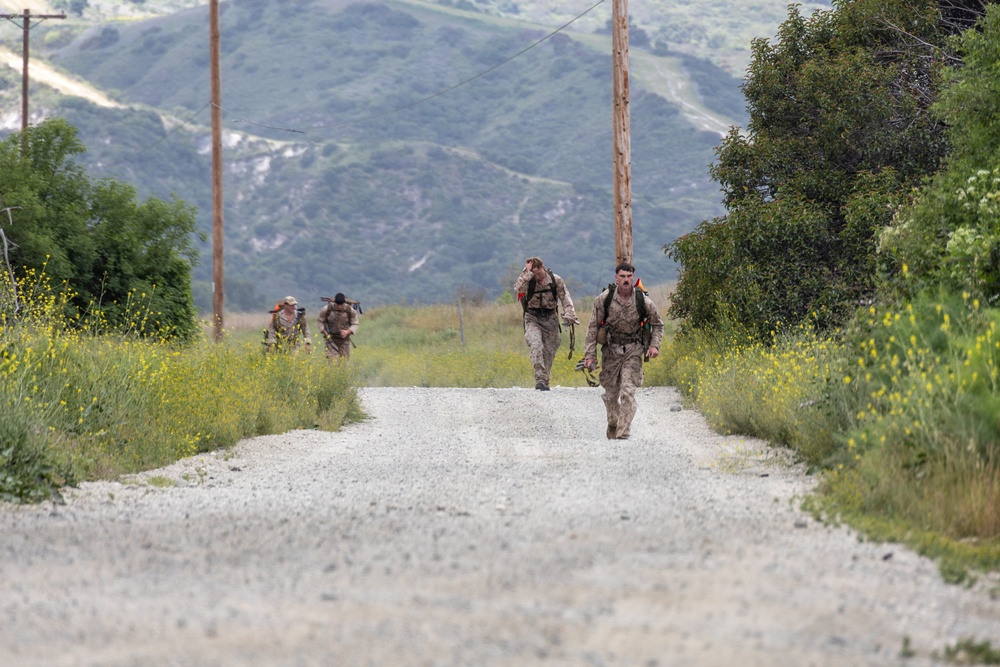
{"x": 42, "y": 72}
{"x": 471, "y": 527}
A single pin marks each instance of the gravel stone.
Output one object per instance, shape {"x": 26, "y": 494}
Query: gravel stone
{"x": 471, "y": 527}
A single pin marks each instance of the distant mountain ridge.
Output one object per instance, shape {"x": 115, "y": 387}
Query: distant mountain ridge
{"x": 387, "y": 190}
{"x": 716, "y": 30}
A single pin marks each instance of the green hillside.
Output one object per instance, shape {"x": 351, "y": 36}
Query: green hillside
{"x": 385, "y": 189}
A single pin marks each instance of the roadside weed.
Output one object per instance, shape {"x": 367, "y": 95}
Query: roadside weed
{"x": 82, "y": 402}
{"x": 898, "y": 412}
{"x": 968, "y": 651}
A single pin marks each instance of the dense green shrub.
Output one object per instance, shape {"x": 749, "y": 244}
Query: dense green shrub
{"x": 96, "y": 236}
{"x": 950, "y": 233}
{"x": 839, "y": 130}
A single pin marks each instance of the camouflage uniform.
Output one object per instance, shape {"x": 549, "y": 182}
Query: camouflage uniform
{"x": 286, "y": 335}
{"x": 541, "y": 323}
{"x": 622, "y": 356}
{"x": 334, "y": 318}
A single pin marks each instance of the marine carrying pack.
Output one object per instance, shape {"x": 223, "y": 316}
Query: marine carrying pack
{"x": 333, "y": 301}
{"x": 300, "y": 314}
{"x": 532, "y": 284}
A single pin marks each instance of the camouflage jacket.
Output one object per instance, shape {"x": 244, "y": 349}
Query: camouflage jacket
{"x": 284, "y": 332}
{"x": 334, "y": 318}
{"x": 542, "y": 298}
{"x": 623, "y": 322}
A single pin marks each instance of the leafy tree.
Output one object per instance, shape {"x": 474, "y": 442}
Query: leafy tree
{"x": 950, "y": 234}
{"x": 839, "y": 131}
{"x": 110, "y": 248}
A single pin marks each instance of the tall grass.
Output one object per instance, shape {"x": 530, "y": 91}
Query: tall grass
{"x": 436, "y": 346}
{"x": 81, "y": 403}
{"x": 776, "y": 392}
{"x": 923, "y": 441}
{"x": 431, "y": 347}
{"x": 899, "y": 411}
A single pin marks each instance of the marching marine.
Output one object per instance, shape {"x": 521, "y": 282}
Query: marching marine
{"x": 338, "y": 321}
{"x": 628, "y": 326}
{"x": 541, "y": 292}
{"x": 287, "y": 328}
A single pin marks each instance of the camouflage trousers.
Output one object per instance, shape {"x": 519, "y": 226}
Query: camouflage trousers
{"x": 621, "y": 375}
{"x": 338, "y": 348}
{"x": 541, "y": 334}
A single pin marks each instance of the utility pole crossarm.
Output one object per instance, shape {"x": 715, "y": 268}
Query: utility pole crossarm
{"x": 26, "y": 29}
{"x": 33, "y": 16}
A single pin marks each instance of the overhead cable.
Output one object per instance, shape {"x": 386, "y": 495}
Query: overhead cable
{"x": 450, "y": 88}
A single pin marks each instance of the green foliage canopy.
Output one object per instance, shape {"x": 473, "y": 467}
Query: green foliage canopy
{"x": 117, "y": 254}
{"x": 949, "y": 235}
{"x": 840, "y": 129}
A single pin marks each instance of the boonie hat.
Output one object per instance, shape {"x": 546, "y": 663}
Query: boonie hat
{"x": 290, "y": 300}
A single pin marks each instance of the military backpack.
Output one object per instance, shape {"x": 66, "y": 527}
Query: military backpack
{"x": 533, "y": 285}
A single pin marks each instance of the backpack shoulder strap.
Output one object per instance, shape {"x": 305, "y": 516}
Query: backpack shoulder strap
{"x": 607, "y": 302}
{"x": 530, "y": 293}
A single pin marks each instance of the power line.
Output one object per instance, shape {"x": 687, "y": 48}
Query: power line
{"x": 241, "y": 119}
{"x": 446, "y": 90}
{"x": 179, "y": 125}
{"x": 170, "y": 132}
{"x": 154, "y": 144}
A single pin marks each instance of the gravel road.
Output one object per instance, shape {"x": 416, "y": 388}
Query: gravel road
{"x": 471, "y": 527}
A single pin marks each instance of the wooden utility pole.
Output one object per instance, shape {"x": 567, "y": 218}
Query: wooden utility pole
{"x": 621, "y": 129}
{"x": 218, "y": 274}
{"x": 25, "y": 29}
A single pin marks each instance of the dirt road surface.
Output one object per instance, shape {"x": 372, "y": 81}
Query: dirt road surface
{"x": 473, "y": 527}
